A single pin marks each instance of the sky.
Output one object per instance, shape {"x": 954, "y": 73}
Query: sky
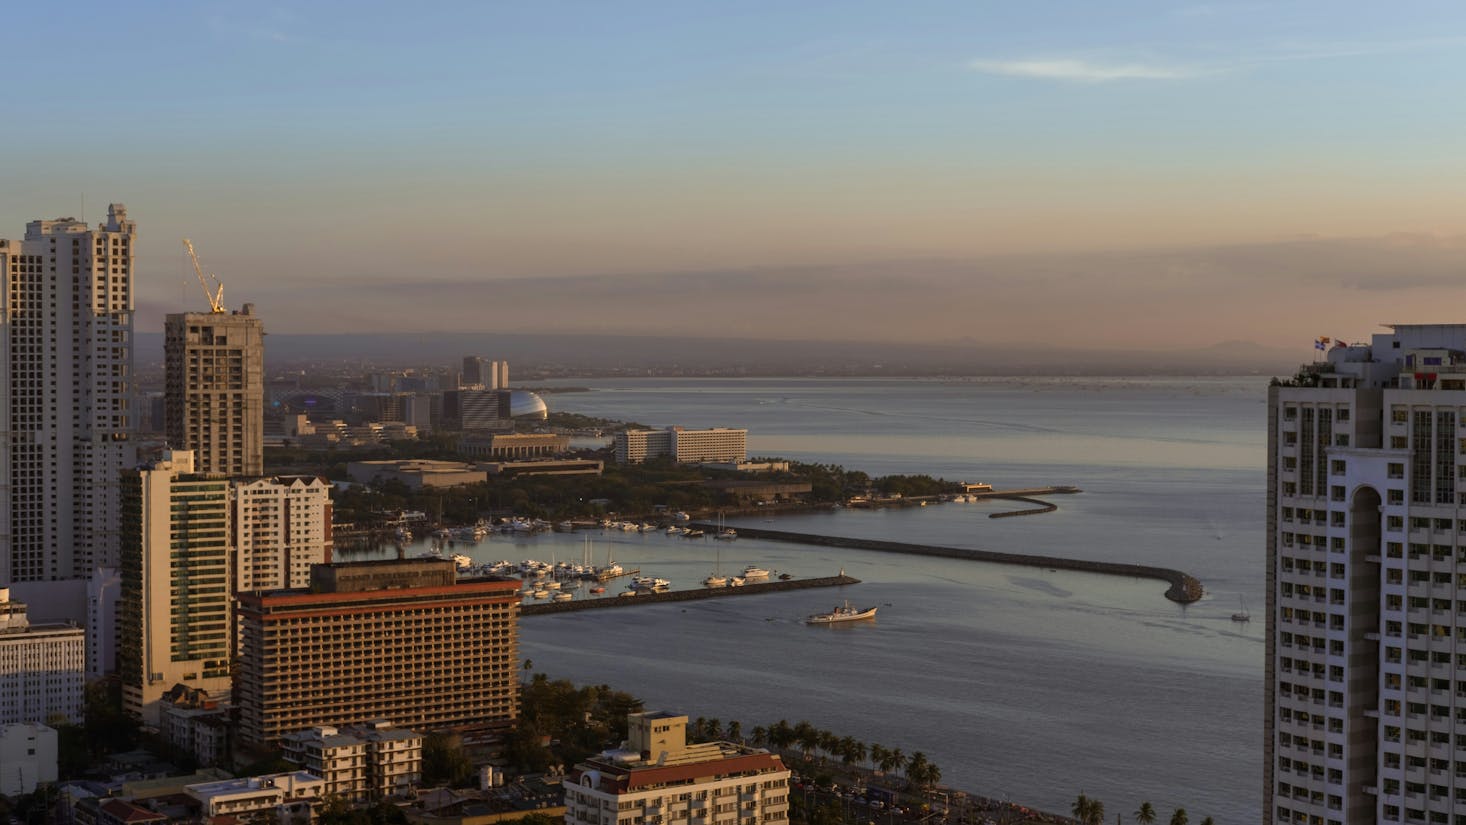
{"x": 1119, "y": 174}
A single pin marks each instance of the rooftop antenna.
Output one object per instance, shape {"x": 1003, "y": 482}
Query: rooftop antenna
{"x": 216, "y": 299}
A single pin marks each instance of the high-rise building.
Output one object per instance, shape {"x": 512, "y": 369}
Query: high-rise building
{"x": 214, "y": 390}
{"x": 1366, "y": 638}
{"x": 481, "y": 374}
{"x": 403, "y": 640}
{"x": 658, "y": 776}
{"x": 66, "y": 366}
{"x": 189, "y": 540}
{"x": 41, "y": 668}
{"x": 281, "y": 527}
{"x": 475, "y": 372}
{"x": 175, "y": 584}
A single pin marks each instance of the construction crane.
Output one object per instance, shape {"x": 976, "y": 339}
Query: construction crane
{"x": 216, "y": 298}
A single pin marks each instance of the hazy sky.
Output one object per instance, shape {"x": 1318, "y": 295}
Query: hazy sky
{"x": 1114, "y": 173}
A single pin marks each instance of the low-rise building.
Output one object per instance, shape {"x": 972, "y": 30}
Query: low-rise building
{"x": 656, "y": 776}
{"x": 417, "y": 474}
{"x": 513, "y": 445}
{"x": 290, "y": 797}
{"x": 338, "y": 759}
{"x": 195, "y": 722}
{"x": 544, "y": 467}
{"x": 371, "y": 761}
{"x": 682, "y": 445}
{"x": 27, "y": 757}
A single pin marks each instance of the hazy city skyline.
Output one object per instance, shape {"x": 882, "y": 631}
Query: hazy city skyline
{"x": 1132, "y": 175}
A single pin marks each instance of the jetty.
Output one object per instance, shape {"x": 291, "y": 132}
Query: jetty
{"x": 1184, "y": 588}
{"x": 686, "y": 595}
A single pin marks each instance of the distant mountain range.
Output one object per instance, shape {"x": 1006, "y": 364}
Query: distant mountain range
{"x": 630, "y": 355}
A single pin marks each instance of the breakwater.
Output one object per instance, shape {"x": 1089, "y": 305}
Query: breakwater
{"x": 687, "y": 595}
{"x": 1042, "y": 507}
{"x": 1183, "y": 589}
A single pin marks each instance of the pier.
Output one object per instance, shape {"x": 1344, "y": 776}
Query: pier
{"x": 1184, "y": 588}
{"x": 686, "y": 595}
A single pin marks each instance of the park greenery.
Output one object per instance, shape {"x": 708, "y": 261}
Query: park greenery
{"x": 635, "y": 489}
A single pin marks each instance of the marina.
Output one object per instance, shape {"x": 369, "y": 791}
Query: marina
{"x": 999, "y": 666}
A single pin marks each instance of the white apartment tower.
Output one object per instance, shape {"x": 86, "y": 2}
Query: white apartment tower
{"x": 1366, "y": 642}
{"x": 65, "y": 395}
{"x": 281, "y": 526}
{"x": 214, "y": 389}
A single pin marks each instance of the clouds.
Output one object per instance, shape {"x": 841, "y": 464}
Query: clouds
{"x": 1082, "y": 71}
{"x": 1273, "y": 293}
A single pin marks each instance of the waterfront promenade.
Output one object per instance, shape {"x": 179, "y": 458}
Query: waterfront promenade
{"x": 1184, "y": 588}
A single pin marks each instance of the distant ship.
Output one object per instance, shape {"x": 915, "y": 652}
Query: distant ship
{"x": 843, "y": 613}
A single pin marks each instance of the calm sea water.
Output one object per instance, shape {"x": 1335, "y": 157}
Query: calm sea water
{"x": 1017, "y": 682}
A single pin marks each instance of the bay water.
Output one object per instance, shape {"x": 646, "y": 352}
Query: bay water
{"x": 1024, "y": 683}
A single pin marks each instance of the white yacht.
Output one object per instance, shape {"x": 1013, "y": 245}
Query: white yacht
{"x": 752, "y": 572}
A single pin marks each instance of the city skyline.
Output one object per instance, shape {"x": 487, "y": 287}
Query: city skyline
{"x": 1020, "y": 167}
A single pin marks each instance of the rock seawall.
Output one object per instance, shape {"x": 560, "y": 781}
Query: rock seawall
{"x": 1184, "y": 588}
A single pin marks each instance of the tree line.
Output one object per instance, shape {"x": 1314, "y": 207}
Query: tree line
{"x": 1089, "y": 811}
{"x": 916, "y": 768}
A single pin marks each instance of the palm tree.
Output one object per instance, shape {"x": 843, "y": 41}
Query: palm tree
{"x": 1081, "y": 808}
{"x": 807, "y": 736}
{"x": 1179, "y": 817}
{"x": 1145, "y": 815}
{"x": 760, "y": 736}
{"x": 856, "y": 749}
{"x": 1096, "y": 812}
{"x": 898, "y": 760}
{"x": 781, "y": 735}
{"x": 699, "y": 725}
{"x": 715, "y": 730}
{"x": 829, "y": 744}
{"x": 878, "y": 755}
{"x": 735, "y": 731}
{"x": 916, "y": 769}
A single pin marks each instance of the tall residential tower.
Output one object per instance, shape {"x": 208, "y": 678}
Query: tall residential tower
{"x": 214, "y": 390}
{"x": 65, "y": 395}
{"x": 1366, "y": 642}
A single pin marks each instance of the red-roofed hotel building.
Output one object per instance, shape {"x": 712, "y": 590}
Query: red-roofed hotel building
{"x": 657, "y": 778}
{"x": 395, "y": 639}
